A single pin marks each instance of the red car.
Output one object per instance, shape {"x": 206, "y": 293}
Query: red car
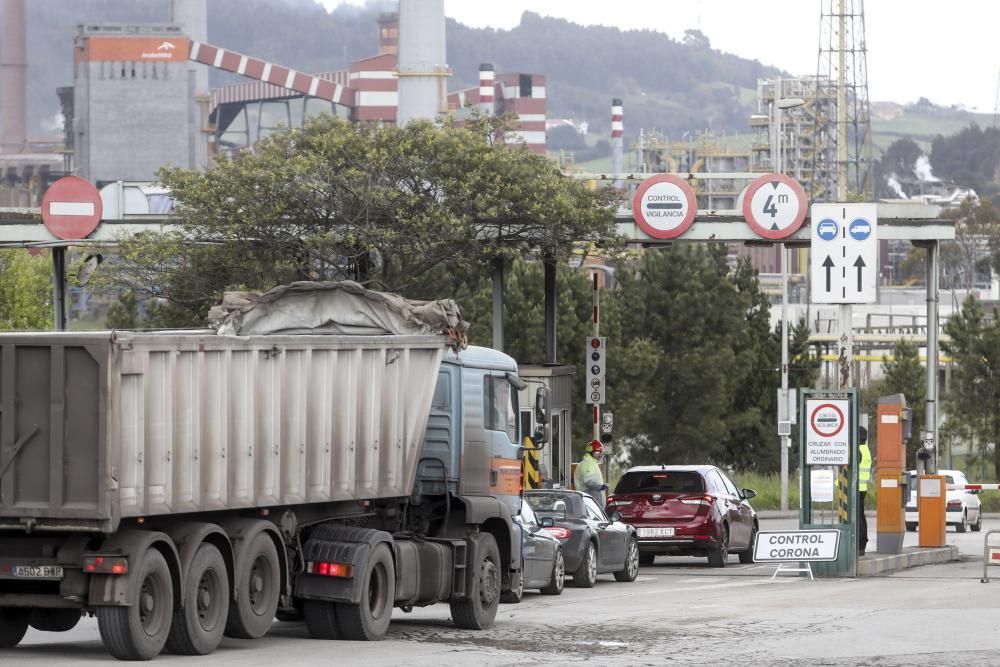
{"x": 686, "y": 511}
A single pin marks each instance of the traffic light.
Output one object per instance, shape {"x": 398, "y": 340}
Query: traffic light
{"x": 595, "y": 370}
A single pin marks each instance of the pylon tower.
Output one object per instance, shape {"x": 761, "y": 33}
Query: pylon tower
{"x": 843, "y": 160}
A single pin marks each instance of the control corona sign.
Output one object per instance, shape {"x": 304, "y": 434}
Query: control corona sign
{"x": 664, "y": 206}
{"x": 827, "y": 433}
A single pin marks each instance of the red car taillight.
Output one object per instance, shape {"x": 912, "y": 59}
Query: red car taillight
{"x": 558, "y": 532}
{"x": 105, "y": 565}
{"x": 954, "y": 503}
{"x": 623, "y": 502}
{"x": 698, "y": 500}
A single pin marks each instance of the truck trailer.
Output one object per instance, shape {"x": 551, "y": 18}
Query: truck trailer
{"x": 183, "y": 485}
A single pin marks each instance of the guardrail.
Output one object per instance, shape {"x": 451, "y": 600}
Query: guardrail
{"x": 988, "y": 555}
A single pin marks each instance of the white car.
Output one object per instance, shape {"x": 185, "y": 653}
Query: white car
{"x": 962, "y": 510}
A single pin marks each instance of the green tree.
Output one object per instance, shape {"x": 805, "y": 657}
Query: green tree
{"x": 974, "y": 345}
{"x": 25, "y": 291}
{"x": 903, "y": 374}
{"x": 123, "y": 313}
{"x": 705, "y": 327}
{"x": 402, "y": 209}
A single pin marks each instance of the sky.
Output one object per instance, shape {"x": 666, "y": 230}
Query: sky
{"x": 944, "y": 51}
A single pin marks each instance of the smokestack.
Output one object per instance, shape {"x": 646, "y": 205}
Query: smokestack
{"x": 617, "y": 130}
{"x": 486, "y": 76}
{"x": 423, "y": 72}
{"x": 192, "y": 17}
{"x": 12, "y": 84}
{"x": 388, "y": 33}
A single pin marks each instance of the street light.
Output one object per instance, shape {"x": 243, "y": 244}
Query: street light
{"x": 781, "y": 104}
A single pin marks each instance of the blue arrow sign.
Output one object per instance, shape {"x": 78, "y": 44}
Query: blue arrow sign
{"x": 827, "y": 229}
{"x": 860, "y": 229}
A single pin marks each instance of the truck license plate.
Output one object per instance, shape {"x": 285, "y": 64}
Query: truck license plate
{"x": 37, "y": 571}
{"x": 656, "y": 532}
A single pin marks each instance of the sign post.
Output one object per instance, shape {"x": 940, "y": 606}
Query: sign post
{"x": 71, "y": 210}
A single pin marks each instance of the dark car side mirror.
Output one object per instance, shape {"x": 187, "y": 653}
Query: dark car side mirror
{"x": 749, "y": 493}
{"x": 548, "y": 522}
{"x": 615, "y": 516}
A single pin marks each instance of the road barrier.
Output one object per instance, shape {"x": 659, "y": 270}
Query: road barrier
{"x": 991, "y": 554}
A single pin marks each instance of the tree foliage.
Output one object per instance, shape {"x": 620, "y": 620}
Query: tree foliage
{"x": 903, "y": 374}
{"x": 399, "y": 209}
{"x": 710, "y": 360}
{"x": 25, "y": 291}
{"x": 972, "y": 402}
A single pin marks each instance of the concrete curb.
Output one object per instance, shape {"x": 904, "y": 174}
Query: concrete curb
{"x": 879, "y": 564}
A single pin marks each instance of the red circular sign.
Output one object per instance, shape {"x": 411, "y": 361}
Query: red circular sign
{"x": 774, "y": 206}
{"x": 827, "y": 432}
{"x": 71, "y": 208}
{"x": 664, "y": 206}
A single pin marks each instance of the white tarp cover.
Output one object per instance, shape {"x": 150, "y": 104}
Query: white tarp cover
{"x": 334, "y": 308}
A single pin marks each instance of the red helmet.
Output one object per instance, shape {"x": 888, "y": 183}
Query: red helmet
{"x": 594, "y": 447}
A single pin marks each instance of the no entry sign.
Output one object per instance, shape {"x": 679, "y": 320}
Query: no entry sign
{"x": 664, "y": 206}
{"x": 71, "y": 208}
{"x": 827, "y": 434}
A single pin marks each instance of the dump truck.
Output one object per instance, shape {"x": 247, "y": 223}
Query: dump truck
{"x": 185, "y": 485}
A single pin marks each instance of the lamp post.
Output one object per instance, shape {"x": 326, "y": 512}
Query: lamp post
{"x": 780, "y": 104}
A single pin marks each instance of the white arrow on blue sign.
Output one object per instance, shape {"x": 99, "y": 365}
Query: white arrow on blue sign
{"x": 844, "y": 253}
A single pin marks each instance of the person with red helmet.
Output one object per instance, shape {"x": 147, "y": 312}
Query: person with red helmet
{"x": 588, "y": 477}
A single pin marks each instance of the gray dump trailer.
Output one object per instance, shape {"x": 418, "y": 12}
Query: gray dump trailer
{"x": 185, "y": 485}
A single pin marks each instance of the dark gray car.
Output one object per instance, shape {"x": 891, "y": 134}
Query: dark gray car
{"x": 542, "y": 563}
{"x": 593, "y": 543}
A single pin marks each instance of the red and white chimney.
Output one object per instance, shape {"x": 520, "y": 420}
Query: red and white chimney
{"x": 487, "y": 74}
{"x": 617, "y": 130}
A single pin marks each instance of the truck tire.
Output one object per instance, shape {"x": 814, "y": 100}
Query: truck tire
{"x": 197, "y": 628}
{"x": 369, "y": 619}
{"x": 13, "y": 625}
{"x": 321, "y": 619}
{"x": 140, "y": 631}
{"x": 54, "y": 620}
{"x": 478, "y": 610}
{"x": 258, "y": 590}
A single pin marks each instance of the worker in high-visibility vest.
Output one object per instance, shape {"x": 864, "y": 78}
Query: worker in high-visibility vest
{"x": 587, "y": 477}
{"x": 864, "y": 477}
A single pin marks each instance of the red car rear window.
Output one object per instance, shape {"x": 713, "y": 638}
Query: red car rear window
{"x": 661, "y": 481}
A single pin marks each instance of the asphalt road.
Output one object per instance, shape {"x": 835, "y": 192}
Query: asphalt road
{"x": 679, "y": 612}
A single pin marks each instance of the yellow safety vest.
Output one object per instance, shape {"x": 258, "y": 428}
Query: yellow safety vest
{"x": 865, "y": 469}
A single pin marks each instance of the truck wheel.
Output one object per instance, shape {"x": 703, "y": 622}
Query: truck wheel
{"x": 258, "y": 590}
{"x": 197, "y": 628}
{"x": 321, "y": 619}
{"x": 558, "y": 580}
{"x": 54, "y": 620}
{"x": 369, "y": 619}
{"x": 139, "y": 632}
{"x": 477, "y": 611}
{"x": 13, "y": 625}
